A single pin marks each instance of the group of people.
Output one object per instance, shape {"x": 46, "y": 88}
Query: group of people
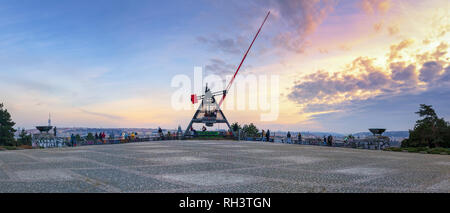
{"x": 265, "y": 136}
{"x": 73, "y": 140}
{"x": 328, "y": 140}
{"x": 100, "y": 136}
{"x": 289, "y": 139}
{"x": 129, "y": 136}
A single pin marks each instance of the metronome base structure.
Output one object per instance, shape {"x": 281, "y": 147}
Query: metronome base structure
{"x": 202, "y": 116}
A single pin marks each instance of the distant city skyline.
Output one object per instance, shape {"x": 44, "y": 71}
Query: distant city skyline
{"x": 344, "y": 66}
{"x": 145, "y": 132}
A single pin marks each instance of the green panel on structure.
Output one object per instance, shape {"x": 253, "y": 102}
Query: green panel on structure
{"x": 208, "y": 133}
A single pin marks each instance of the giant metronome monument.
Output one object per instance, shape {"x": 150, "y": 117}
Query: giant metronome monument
{"x": 209, "y": 111}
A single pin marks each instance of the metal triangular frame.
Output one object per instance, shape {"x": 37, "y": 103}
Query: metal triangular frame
{"x": 195, "y": 119}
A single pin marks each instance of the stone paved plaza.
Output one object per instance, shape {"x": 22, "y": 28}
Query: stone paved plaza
{"x": 220, "y": 166}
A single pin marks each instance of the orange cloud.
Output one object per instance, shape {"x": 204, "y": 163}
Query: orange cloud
{"x": 393, "y": 30}
{"x": 373, "y": 6}
{"x": 437, "y": 55}
{"x": 362, "y": 79}
{"x": 377, "y": 27}
{"x": 396, "y": 48}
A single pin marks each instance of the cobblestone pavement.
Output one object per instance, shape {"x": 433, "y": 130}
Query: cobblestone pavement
{"x": 220, "y": 166}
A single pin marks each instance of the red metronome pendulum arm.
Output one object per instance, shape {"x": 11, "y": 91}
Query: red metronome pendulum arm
{"x": 239, "y": 67}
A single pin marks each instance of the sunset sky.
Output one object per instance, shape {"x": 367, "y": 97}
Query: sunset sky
{"x": 344, "y": 66}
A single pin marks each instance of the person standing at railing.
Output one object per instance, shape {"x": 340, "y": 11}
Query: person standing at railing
{"x": 72, "y": 140}
{"x": 288, "y": 140}
{"x": 299, "y": 138}
{"x": 126, "y": 137}
{"x": 160, "y": 132}
{"x": 263, "y": 135}
{"x": 268, "y": 135}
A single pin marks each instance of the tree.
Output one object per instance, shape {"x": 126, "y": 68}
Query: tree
{"x": 431, "y": 131}
{"x": 90, "y": 137}
{"x": 235, "y": 127}
{"x": 24, "y": 138}
{"x": 250, "y": 130}
{"x": 6, "y": 127}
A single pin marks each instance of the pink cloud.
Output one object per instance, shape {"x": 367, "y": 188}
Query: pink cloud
{"x": 362, "y": 79}
{"x": 303, "y": 17}
{"x": 373, "y": 6}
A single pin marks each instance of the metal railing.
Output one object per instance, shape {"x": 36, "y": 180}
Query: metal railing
{"x": 355, "y": 143}
{"x": 64, "y": 141}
